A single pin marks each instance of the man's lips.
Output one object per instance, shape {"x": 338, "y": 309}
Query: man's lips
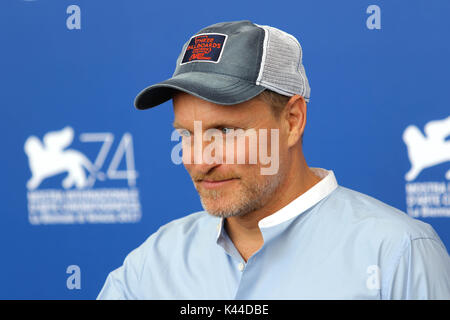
{"x": 211, "y": 184}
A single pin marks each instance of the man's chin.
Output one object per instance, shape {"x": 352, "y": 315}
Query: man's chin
{"x": 223, "y": 214}
{"x": 225, "y": 207}
{"x": 221, "y": 209}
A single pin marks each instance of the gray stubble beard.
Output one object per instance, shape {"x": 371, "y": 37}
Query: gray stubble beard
{"x": 263, "y": 193}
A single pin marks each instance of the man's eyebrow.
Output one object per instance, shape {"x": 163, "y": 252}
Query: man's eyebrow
{"x": 215, "y": 124}
{"x": 176, "y": 125}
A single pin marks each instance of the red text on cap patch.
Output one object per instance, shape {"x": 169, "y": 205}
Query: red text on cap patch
{"x": 204, "y": 47}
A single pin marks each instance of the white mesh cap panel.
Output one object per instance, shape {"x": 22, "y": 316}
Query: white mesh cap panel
{"x": 281, "y": 69}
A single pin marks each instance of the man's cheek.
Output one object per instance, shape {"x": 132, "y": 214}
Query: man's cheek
{"x": 187, "y": 157}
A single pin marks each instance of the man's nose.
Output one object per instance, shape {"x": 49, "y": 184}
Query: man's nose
{"x": 204, "y": 155}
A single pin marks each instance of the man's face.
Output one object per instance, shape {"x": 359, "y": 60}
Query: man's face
{"x": 229, "y": 189}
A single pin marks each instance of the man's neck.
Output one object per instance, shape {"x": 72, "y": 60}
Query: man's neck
{"x": 244, "y": 230}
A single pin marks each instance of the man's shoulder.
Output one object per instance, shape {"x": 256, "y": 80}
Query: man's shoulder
{"x": 197, "y": 225}
{"x": 377, "y": 218}
{"x": 189, "y": 224}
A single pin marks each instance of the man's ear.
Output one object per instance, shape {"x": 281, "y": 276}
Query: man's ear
{"x": 295, "y": 115}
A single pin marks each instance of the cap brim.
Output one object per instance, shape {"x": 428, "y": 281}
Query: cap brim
{"x": 216, "y": 88}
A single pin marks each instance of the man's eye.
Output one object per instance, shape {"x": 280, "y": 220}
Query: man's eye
{"x": 184, "y": 133}
{"x": 226, "y": 130}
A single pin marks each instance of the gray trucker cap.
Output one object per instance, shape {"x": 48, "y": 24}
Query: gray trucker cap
{"x": 232, "y": 62}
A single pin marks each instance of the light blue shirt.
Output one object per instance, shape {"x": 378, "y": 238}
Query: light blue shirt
{"x": 329, "y": 243}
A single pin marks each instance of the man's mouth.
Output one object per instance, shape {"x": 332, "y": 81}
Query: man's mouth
{"x": 211, "y": 184}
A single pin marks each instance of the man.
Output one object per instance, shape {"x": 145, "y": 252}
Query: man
{"x": 292, "y": 233}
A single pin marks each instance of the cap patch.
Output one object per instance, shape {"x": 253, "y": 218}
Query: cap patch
{"x": 206, "y": 47}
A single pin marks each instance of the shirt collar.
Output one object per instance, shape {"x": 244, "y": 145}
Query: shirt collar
{"x": 320, "y": 190}
{"x": 312, "y": 196}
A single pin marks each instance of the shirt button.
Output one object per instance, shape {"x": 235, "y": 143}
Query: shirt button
{"x": 218, "y": 227}
{"x": 241, "y": 266}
